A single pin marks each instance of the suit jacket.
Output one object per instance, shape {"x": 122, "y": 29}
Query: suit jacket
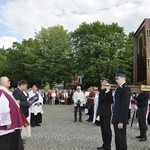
{"x": 105, "y": 101}
{"x": 142, "y": 99}
{"x": 24, "y": 104}
{"x": 121, "y": 106}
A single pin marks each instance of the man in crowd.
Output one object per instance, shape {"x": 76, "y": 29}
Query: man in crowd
{"x": 78, "y": 99}
{"x": 65, "y": 96}
{"x": 11, "y": 118}
{"x": 105, "y": 101}
{"x": 86, "y": 95}
{"x": 53, "y": 97}
{"x": 36, "y": 108}
{"x": 90, "y": 104}
{"x": 21, "y": 97}
{"x": 96, "y": 101}
{"x": 121, "y": 109}
{"x": 142, "y": 102}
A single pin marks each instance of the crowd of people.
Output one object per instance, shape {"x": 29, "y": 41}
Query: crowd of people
{"x": 22, "y": 108}
{"x": 56, "y": 96}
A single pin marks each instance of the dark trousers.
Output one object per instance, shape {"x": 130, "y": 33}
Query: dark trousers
{"x": 120, "y": 138}
{"x": 142, "y": 121}
{"x": 129, "y": 115}
{"x": 91, "y": 112}
{"x": 17, "y": 139}
{"x": 75, "y": 112}
{"x": 106, "y": 131}
{"x": 6, "y": 141}
{"x": 148, "y": 119}
{"x": 49, "y": 100}
{"x": 35, "y": 119}
{"x": 11, "y": 141}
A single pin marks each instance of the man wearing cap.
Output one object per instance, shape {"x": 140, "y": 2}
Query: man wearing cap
{"x": 120, "y": 113}
{"x": 105, "y": 101}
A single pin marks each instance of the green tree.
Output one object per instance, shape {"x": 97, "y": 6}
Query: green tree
{"x": 55, "y": 55}
{"x": 15, "y": 59}
{"x": 55, "y": 50}
{"x": 129, "y": 53}
{"x": 19, "y": 58}
{"x": 47, "y": 58}
{"x": 3, "y": 62}
{"x": 100, "y": 49}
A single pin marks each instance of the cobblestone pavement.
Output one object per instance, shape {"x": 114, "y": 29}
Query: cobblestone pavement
{"x": 59, "y": 132}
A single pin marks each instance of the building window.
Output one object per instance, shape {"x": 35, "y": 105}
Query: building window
{"x": 148, "y": 33}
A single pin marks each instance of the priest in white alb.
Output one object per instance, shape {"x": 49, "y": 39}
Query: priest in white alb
{"x": 36, "y": 108}
{"x": 11, "y": 118}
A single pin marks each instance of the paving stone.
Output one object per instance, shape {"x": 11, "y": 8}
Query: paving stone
{"x": 59, "y": 132}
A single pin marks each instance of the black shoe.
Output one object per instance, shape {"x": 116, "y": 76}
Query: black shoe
{"x": 23, "y": 141}
{"x": 38, "y": 125}
{"x": 100, "y": 148}
{"x": 88, "y": 120}
{"x": 138, "y": 137}
{"x": 80, "y": 120}
{"x": 142, "y": 140}
{"x": 75, "y": 121}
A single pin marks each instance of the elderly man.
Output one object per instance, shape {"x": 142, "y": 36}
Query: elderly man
{"x": 121, "y": 109}
{"x": 11, "y": 118}
{"x": 36, "y": 108}
{"x": 78, "y": 99}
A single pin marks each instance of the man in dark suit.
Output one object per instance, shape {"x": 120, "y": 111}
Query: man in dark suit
{"x": 120, "y": 113}
{"x": 22, "y": 98}
{"x": 142, "y": 102}
{"x": 105, "y": 101}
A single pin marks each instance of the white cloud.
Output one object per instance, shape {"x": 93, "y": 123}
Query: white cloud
{"x": 24, "y": 17}
{"x": 6, "y": 41}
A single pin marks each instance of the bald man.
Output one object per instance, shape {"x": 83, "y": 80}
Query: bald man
{"x": 11, "y": 118}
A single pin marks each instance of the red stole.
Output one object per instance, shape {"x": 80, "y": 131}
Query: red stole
{"x": 18, "y": 120}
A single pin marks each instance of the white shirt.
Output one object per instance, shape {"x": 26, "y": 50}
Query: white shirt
{"x": 65, "y": 95}
{"x": 5, "y": 118}
{"x": 78, "y": 96}
{"x": 53, "y": 94}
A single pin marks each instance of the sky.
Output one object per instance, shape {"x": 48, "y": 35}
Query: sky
{"x": 20, "y": 19}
